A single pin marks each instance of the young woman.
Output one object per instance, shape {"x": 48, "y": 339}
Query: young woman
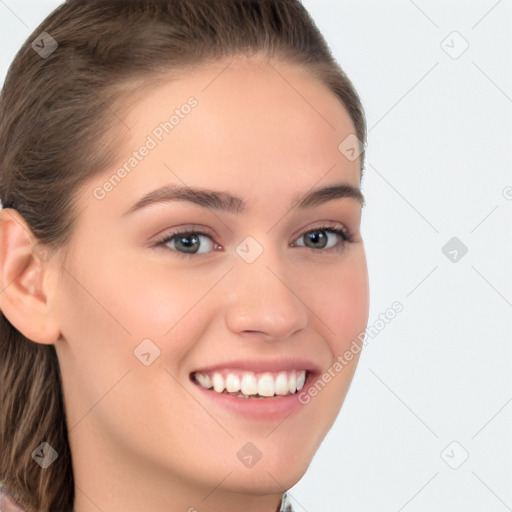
{"x": 183, "y": 279}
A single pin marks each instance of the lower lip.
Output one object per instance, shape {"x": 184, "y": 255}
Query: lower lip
{"x": 260, "y": 409}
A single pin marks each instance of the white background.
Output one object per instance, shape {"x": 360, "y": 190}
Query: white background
{"x": 438, "y": 166}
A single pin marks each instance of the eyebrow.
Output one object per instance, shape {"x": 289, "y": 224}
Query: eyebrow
{"x": 220, "y": 200}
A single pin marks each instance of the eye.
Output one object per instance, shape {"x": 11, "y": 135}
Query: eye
{"x": 324, "y": 238}
{"x": 192, "y": 242}
{"x": 188, "y": 242}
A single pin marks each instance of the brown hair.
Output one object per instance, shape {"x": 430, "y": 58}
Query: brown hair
{"x": 60, "y": 124}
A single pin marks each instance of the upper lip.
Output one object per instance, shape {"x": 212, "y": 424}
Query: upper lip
{"x": 261, "y": 365}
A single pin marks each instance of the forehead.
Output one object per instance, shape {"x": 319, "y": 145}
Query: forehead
{"x": 257, "y": 128}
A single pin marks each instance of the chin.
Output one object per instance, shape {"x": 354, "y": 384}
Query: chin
{"x": 275, "y": 473}
{"x": 268, "y": 479}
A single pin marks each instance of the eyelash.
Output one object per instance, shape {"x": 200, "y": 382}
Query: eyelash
{"x": 346, "y": 238}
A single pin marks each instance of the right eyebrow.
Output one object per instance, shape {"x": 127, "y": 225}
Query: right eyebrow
{"x": 221, "y": 200}
{"x": 205, "y": 198}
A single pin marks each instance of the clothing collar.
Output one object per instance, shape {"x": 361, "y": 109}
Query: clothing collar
{"x": 286, "y": 504}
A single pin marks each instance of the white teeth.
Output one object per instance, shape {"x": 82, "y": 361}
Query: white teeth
{"x": 204, "y": 380}
{"x": 246, "y": 384}
{"x": 232, "y": 383}
{"x": 218, "y": 382}
{"x": 292, "y": 382}
{"x": 266, "y": 385}
{"x": 300, "y": 380}
{"x": 282, "y": 384}
{"x": 249, "y": 386}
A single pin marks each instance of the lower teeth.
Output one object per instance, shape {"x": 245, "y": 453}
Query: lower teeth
{"x": 241, "y": 395}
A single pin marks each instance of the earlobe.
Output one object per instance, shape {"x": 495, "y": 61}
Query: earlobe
{"x": 24, "y": 289}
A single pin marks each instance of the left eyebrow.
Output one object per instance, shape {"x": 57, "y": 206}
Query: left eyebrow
{"x": 318, "y": 196}
{"x": 221, "y": 200}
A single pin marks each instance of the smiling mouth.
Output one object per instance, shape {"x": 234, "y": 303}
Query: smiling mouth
{"x": 243, "y": 384}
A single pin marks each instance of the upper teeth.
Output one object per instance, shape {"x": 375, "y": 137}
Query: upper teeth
{"x": 251, "y": 384}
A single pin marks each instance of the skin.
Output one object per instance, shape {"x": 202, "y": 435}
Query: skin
{"x": 144, "y": 435}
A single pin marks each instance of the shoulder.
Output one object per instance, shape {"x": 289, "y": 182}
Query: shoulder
{"x": 7, "y": 501}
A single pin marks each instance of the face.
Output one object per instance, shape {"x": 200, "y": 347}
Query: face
{"x": 212, "y": 258}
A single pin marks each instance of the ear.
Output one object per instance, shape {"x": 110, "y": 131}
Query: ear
{"x": 24, "y": 285}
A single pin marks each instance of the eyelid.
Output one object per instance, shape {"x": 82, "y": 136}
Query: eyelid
{"x": 168, "y": 236}
{"x": 187, "y": 228}
{"x": 327, "y": 225}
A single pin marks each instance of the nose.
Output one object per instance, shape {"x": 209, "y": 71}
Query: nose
{"x": 262, "y": 299}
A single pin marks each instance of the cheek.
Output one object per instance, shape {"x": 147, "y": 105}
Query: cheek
{"x": 110, "y": 307}
{"x": 340, "y": 300}
{"x": 342, "y": 305}
{"x": 106, "y": 311}
{"x": 159, "y": 302}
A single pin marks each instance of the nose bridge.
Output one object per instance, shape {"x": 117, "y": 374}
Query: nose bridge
{"x": 262, "y": 297}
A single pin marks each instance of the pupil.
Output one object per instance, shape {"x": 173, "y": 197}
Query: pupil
{"x": 316, "y": 237}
